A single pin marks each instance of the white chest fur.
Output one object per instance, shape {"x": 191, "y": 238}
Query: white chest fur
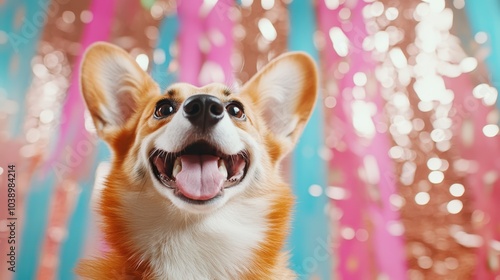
{"x": 217, "y": 246}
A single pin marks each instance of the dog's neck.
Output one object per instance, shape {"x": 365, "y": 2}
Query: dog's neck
{"x": 220, "y": 245}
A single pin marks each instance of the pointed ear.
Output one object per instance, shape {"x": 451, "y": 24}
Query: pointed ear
{"x": 112, "y": 84}
{"x": 284, "y": 93}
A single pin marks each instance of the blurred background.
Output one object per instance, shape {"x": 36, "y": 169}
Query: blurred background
{"x": 397, "y": 173}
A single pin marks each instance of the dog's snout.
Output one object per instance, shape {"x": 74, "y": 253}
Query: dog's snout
{"x": 203, "y": 110}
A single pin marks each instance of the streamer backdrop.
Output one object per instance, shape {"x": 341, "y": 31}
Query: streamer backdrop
{"x": 396, "y": 175}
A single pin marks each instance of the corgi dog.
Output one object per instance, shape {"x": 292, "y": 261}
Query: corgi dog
{"x": 194, "y": 189}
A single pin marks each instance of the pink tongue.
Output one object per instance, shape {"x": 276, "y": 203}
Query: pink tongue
{"x": 200, "y": 178}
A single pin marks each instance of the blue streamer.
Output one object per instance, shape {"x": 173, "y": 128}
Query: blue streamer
{"x": 484, "y": 16}
{"x": 37, "y": 203}
{"x": 72, "y": 248}
{"x": 22, "y": 42}
{"x": 168, "y": 33}
{"x": 309, "y": 240}
{"x": 15, "y": 78}
{"x": 78, "y": 225}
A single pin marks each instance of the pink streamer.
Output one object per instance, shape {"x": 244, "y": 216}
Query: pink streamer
{"x": 483, "y": 152}
{"x": 191, "y": 31}
{"x": 73, "y": 130}
{"x": 388, "y": 251}
{"x": 210, "y": 29}
{"x": 73, "y": 136}
{"x": 220, "y": 33}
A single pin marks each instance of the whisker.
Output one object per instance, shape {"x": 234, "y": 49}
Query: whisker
{"x": 156, "y": 150}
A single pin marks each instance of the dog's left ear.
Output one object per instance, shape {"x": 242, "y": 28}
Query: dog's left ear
{"x": 284, "y": 92}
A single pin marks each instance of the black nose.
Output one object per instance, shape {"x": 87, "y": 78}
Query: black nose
{"x": 203, "y": 110}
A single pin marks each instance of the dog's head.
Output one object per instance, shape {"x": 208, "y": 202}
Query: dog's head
{"x": 197, "y": 147}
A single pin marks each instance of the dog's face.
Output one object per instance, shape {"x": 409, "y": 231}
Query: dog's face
{"x": 197, "y": 147}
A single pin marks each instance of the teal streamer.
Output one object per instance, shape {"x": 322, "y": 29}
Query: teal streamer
{"x": 168, "y": 33}
{"x": 73, "y": 246}
{"x": 21, "y": 46}
{"x": 309, "y": 241}
{"x": 78, "y": 225}
{"x": 485, "y": 16}
{"x": 37, "y": 205}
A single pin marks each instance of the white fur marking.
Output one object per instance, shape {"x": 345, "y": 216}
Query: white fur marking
{"x": 215, "y": 246}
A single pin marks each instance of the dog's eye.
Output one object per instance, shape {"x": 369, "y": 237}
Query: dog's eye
{"x": 164, "y": 109}
{"x": 236, "y": 111}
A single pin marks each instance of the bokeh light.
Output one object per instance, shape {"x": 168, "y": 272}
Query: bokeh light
{"x": 408, "y": 122}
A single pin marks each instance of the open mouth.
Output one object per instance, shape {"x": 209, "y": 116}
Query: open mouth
{"x": 200, "y": 172}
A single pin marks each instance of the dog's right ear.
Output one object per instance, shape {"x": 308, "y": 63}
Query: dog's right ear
{"x": 284, "y": 93}
{"x": 112, "y": 84}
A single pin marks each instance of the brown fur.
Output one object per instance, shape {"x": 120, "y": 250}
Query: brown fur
{"x": 124, "y": 139}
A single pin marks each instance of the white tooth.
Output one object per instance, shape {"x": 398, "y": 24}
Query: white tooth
{"x": 222, "y": 168}
{"x": 177, "y": 167}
